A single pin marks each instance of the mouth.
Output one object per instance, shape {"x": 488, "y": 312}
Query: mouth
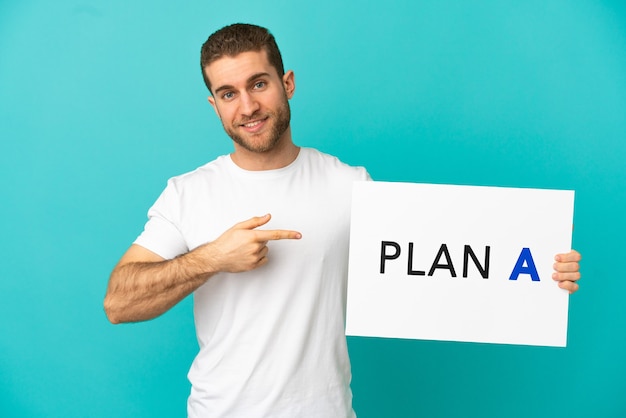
{"x": 254, "y": 125}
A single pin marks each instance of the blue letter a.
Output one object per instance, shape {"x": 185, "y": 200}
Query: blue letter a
{"x": 525, "y": 265}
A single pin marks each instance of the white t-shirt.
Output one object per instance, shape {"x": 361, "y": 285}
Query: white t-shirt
{"x": 272, "y": 340}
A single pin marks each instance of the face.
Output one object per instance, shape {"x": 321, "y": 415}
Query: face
{"x": 251, "y": 100}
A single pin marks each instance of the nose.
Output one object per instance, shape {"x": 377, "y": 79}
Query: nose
{"x": 248, "y": 104}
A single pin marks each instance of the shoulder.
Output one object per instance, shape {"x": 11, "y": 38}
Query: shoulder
{"x": 189, "y": 188}
{"x": 202, "y": 174}
{"x": 332, "y": 165}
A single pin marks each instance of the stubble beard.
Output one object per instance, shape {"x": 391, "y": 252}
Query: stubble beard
{"x": 280, "y": 118}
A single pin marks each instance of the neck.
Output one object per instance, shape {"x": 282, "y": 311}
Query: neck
{"x": 284, "y": 153}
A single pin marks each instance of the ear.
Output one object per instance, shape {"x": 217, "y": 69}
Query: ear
{"x": 289, "y": 83}
{"x": 211, "y": 100}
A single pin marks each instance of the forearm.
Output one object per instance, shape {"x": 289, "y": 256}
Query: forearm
{"x": 139, "y": 291}
{"x": 144, "y": 285}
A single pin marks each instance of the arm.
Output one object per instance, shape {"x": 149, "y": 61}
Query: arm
{"x": 144, "y": 285}
{"x": 567, "y": 270}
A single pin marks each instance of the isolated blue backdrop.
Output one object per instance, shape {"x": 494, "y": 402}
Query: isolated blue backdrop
{"x": 101, "y": 102}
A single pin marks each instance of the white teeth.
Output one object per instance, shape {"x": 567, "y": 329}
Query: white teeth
{"x": 252, "y": 124}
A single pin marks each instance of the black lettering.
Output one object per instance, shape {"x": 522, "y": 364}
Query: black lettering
{"x": 468, "y": 252}
{"x": 384, "y": 256}
{"x": 409, "y": 267}
{"x": 443, "y": 251}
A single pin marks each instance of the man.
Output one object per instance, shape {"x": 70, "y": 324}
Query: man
{"x": 270, "y": 324}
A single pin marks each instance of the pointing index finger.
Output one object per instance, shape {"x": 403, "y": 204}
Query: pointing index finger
{"x": 276, "y": 234}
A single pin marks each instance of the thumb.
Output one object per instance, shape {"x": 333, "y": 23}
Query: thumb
{"x": 254, "y": 222}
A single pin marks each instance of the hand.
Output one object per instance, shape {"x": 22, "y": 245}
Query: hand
{"x": 243, "y": 248}
{"x": 567, "y": 270}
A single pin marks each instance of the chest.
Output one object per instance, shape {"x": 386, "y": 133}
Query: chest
{"x": 318, "y": 210}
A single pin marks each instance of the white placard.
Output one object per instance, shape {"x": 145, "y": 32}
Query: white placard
{"x": 458, "y": 263}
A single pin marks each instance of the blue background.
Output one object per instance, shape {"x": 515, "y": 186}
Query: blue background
{"x": 101, "y": 102}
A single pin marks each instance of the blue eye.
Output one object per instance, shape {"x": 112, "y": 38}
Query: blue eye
{"x": 259, "y": 84}
{"x": 228, "y": 95}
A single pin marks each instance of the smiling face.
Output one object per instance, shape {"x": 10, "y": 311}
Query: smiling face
{"x": 251, "y": 100}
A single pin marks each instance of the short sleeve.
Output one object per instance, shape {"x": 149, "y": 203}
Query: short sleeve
{"x": 162, "y": 234}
